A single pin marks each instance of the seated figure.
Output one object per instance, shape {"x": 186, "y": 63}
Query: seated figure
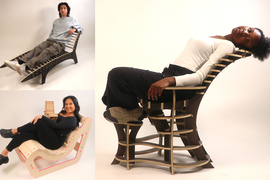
{"x": 60, "y": 36}
{"x": 125, "y": 84}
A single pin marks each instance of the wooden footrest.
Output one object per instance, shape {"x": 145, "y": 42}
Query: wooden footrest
{"x": 159, "y": 146}
{"x": 183, "y": 131}
{"x": 182, "y": 116}
{"x": 164, "y": 163}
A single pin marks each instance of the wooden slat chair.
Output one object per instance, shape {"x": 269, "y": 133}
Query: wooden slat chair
{"x": 31, "y": 150}
{"x": 182, "y": 123}
{"x": 44, "y": 68}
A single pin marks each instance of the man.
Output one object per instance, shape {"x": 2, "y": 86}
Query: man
{"x": 60, "y": 35}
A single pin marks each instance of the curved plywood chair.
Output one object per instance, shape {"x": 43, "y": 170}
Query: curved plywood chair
{"x": 180, "y": 123}
{"x": 31, "y": 150}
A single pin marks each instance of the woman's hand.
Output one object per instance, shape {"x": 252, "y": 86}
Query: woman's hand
{"x": 71, "y": 31}
{"x": 36, "y": 119}
{"x": 156, "y": 88}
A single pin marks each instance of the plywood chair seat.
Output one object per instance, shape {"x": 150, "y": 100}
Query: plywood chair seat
{"x": 31, "y": 150}
{"x": 44, "y": 68}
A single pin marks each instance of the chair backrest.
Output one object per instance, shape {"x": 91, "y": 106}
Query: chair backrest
{"x": 72, "y": 45}
{"x": 222, "y": 64}
{"x": 49, "y": 110}
{"x": 83, "y": 129}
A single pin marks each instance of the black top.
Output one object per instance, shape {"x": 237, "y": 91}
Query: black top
{"x": 62, "y": 124}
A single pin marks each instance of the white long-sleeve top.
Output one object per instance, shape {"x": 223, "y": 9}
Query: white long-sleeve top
{"x": 199, "y": 55}
{"x": 60, "y": 29}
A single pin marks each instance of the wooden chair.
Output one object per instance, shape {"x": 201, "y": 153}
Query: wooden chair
{"x": 31, "y": 150}
{"x": 181, "y": 121}
{"x": 44, "y": 68}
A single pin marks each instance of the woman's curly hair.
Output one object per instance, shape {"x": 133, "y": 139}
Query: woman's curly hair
{"x": 262, "y": 50}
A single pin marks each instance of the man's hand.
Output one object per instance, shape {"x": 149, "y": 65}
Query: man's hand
{"x": 71, "y": 31}
{"x": 34, "y": 121}
{"x": 156, "y": 88}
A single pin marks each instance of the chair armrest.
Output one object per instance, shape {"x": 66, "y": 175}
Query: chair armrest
{"x": 186, "y": 88}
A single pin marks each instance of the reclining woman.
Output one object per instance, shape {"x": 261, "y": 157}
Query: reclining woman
{"x": 125, "y": 85}
{"x": 51, "y": 134}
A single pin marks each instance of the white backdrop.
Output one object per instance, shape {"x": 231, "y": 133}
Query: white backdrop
{"x": 233, "y": 119}
{"x": 20, "y": 107}
{"x": 27, "y": 23}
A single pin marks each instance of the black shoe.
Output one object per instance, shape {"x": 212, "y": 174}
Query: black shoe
{"x": 3, "y": 159}
{"x": 6, "y": 133}
{"x": 121, "y": 116}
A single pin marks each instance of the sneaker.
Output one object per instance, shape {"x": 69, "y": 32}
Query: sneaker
{"x": 11, "y": 64}
{"x": 20, "y": 69}
{"x": 120, "y": 115}
{"x": 3, "y": 159}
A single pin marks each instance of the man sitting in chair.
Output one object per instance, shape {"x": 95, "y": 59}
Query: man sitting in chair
{"x": 60, "y": 36}
{"x": 125, "y": 85}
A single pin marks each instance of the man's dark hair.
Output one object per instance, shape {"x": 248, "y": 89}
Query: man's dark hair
{"x": 68, "y": 8}
{"x": 262, "y": 50}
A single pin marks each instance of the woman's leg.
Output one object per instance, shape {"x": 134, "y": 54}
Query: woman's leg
{"x": 125, "y": 85}
{"x": 40, "y": 132}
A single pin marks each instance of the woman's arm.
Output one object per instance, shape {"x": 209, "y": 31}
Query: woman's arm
{"x": 198, "y": 77}
{"x": 156, "y": 88}
{"x": 36, "y": 119}
{"x": 69, "y": 122}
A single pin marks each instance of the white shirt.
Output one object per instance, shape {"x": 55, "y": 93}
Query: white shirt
{"x": 199, "y": 55}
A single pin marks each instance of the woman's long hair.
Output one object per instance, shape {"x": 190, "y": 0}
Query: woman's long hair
{"x": 77, "y": 107}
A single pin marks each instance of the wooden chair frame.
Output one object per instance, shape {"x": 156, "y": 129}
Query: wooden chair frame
{"x": 31, "y": 150}
{"x": 44, "y": 68}
{"x": 185, "y": 123}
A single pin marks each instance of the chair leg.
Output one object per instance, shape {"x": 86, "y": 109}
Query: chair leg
{"x": 74, "y": 57}
{"x": 122, "y": 131}
{"x": 193, "y": 138}
{"x": 43, "y": 76}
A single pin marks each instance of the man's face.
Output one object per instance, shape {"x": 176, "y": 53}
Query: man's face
{"x": 63, "y": 10}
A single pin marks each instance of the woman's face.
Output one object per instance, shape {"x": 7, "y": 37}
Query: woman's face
{"x": 69, "y": 106}
{"x": 245, "y": 37}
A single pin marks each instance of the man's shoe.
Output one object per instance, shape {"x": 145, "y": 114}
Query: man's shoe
{"x": 11, "y": 64}
{"x": 120, "y": 115}
{"x": 3, "y": 159}
{"x": 6, "y": 133}
{"x": 21, "y": 69}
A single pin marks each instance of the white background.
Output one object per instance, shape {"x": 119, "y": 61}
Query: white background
{"x": 25, "y": 24}
{"x": 233, "y": 119}
{"x": 20, "y": 107}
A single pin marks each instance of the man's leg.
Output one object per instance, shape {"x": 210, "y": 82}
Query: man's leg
{"x": 34, "y": 52}
{"x": 25, "y": 58}
{"x": 53, "y": 49}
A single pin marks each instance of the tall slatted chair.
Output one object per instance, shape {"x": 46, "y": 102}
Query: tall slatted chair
{"x": 31, "y": 150}
{"x": 182, "y": 123}
{"x": 44, "y": 68}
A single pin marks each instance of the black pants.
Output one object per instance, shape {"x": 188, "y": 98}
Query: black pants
{"x": 41, "y": 132}
{"x": 125, "y": 85}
